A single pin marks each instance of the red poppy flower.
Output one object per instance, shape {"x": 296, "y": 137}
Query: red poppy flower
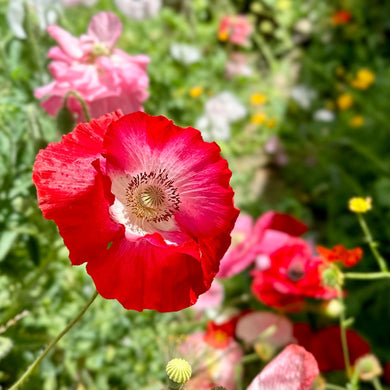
{"x": 325, "y": 345}
{"x": 291, "y": 274}
{"x": 145, "y": 203}
{"x": 349, "y": 257}
{"x": 341, "y": 17}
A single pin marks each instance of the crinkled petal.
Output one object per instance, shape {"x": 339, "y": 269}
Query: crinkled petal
{"x": 105, "y": 27}
{"x": 142, "y": 275}
{"x": 68, "y": 43}
{"x": 71, "y": 190}
{"x": 293, "y": 369}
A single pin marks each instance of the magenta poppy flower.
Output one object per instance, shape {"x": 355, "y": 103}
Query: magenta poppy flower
{"x": 146, "y": 204}
{"x": 291, "y": 274}
{"x": 293, "y": 369}
{"x": 106, "y": 78}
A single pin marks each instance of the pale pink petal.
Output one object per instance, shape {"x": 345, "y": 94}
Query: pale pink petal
{"x": 105, "y": 27}
{"x": 68, "y": 43}
{"x": 276, "y": 329}
{"x": 293, "y": 369}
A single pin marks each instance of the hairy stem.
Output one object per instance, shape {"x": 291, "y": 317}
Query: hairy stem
{"x": 37, "y": 361}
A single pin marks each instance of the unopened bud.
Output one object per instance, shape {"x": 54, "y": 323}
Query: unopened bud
{"x": 368, "y": 367}
{"x": 178, "y": 372}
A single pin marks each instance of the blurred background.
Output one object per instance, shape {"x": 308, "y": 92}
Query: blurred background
{"x": 299, "y": 104}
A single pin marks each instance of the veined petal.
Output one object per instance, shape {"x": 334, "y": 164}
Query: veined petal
{"x": 105, "y": 28}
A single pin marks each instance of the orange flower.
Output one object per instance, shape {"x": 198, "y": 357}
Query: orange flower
{"x": 341, "y": 17}
{"x": 349, "y": 257}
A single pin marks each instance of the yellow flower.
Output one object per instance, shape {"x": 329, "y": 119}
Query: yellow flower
{"x": 258, "y": 118}
{"x": 356, "y": 121}
{"x": 363, "y": 80}
{"x": 344, "y": 101}
{"x": 223, "y": 35}
{"x": 360, "y": 205}
{"x": 195, "y": 92}
{"x": 258, "y": 98}
{"x": 271, "y": 123}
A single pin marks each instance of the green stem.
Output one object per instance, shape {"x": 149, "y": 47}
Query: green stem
{"x": 367, "y": 275}
{"x": 376, "y": 383}
{"x": 82, "y": 102}
{"x": 330, "y": 386}
{"x": 253, "y": 357}
{"x": 373, "y": 246}
{"x": 268, "y": 55}
{"x": 35, "y": 364}
{"x": 343, "y": 335}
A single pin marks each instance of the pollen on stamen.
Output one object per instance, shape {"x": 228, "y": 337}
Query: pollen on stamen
{"x": 152, "y": 196}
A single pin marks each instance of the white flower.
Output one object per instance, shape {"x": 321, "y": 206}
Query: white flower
{"x": 225, "y": 106}
{"x": 303, "y": 95}
{"x": 72, "y": 3}
{"x": 213, "y": 128}
{"x": 139, "y": 9}
{"x": 324, "y": 115}
{"x": 220, "y": 111}
{"x": 186, "y": 54}
{"x": 46, "y": 12}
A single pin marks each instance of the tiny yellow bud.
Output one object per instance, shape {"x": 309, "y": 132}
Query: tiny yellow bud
{"x": 333, "y": 308}
{"x": 265, "y": 351}
{"x": 258, "y": 118}
{"x": 344, "y": 101}
{"x": 258, "y": 98}
{"x": 195, "y": 92}
{"x": 356, "y": 121}
{"x": 178, "y": 371}
{"x": 360, "y": 205}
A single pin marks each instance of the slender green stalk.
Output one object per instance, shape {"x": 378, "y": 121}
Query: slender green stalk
{"x": 367, "y": 275}
{"x": 376, "y": 383}
{"x": 330, "y": 386}
{"x": 263, "y": 46}
{"x": 37, "y": 361}
{"x": 373, "y": 246}
{"x": 343, "y": 335}
{"x": 82, "y": 102}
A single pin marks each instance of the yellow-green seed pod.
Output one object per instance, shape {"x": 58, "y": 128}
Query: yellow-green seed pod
{"x": 178, "y": 372}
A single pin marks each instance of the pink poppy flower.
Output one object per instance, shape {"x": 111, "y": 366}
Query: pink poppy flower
{"x": 257, "y": 326}
{"x": 211, "y": 366}
{"x": 106, "y": 78}
{"x": 291, "y": 274}
{"x": 235, "y": 29}
{"x": 249, "y": 242}
{"x": 293, "y": 369}
{"x": 145, "y": 203}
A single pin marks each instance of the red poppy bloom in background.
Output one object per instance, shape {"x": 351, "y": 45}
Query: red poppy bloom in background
{"x": 325, "y": 345}
{"x": 340, "y": 17}
{"x": 145, "y": 203}
{"x": 291, "y": 274}
{"x": 348, "y": 257}
{"x": 235, "y": 29}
